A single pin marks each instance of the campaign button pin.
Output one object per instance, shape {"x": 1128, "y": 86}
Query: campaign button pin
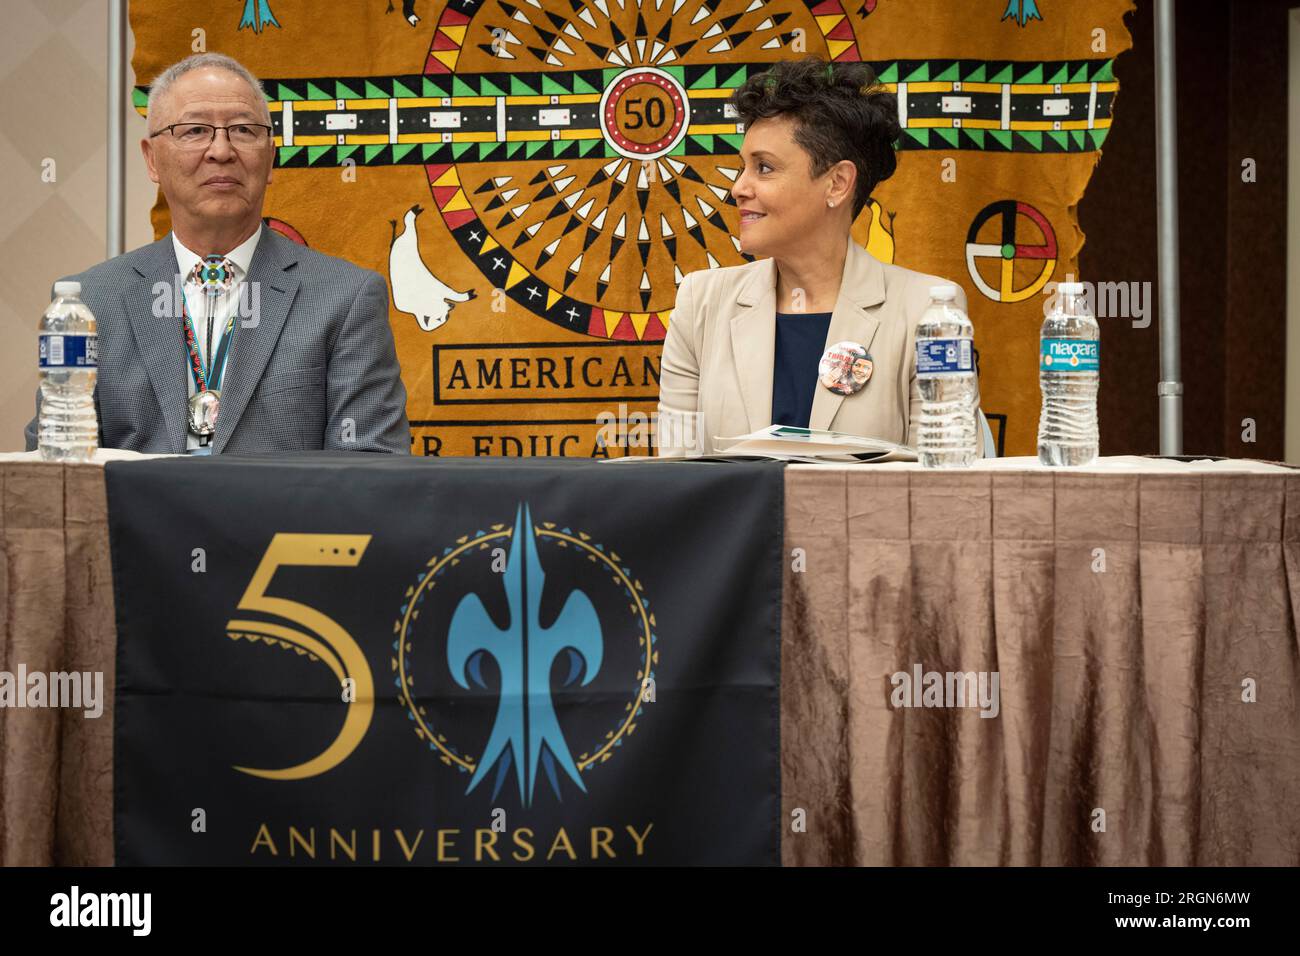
{"x": 845, "y": 367}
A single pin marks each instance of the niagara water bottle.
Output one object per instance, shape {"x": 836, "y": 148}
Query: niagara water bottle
{"x": 68, "y": 429}
{"x": 945, "y": 369}
{"x": 1068, "y": 371}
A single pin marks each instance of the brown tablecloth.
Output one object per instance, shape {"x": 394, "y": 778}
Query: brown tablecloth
{"x": 1127, "y": 616}
{"x": 56, "y": 609}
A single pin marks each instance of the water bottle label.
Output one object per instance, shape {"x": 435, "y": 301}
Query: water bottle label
{"x": 937, "y": 356}
{"x": 69, "y": 351}
{"x": 1070, "y": 355}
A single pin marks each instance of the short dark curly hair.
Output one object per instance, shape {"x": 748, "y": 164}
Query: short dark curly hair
{"x": 840, "y": 111}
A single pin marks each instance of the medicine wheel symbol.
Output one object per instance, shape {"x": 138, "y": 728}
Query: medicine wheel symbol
{"x": 1008, "y": 251}
{"x": 593, "y": 147}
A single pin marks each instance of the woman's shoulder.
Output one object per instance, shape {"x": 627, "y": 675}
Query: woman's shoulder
{"x": 725, "y": 277}
{"x": 709, "y": 295}
{"x": 912, "y": 288}
{"x": 901, "y": 277}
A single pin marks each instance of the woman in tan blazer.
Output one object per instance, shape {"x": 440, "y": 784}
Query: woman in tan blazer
{"x": 744, "y": 342}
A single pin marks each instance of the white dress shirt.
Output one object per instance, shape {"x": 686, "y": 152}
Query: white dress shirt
{"x": 196, "y": 304}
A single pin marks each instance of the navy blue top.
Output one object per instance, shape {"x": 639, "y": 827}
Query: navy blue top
{"x": 800, "y": 344}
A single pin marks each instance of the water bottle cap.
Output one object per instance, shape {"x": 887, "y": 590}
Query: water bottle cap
{"x": 943, "y": 293}
{"x": 1070, "y": 288}
{"x": 67, "y": 288}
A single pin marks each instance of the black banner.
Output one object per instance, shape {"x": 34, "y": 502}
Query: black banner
{"x": 359, "y": 660}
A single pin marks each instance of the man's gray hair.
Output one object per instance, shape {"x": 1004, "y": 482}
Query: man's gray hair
{"x": 199, "y": 61}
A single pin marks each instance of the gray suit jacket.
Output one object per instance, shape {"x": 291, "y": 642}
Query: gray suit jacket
{"x": 320, "y": 352}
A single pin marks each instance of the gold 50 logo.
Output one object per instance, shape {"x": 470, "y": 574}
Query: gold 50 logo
{"x": 312, "y": 634}
{"x": 539, "y": 636}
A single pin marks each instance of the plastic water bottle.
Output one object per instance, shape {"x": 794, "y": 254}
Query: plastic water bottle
{"x": 1068, "y": 370}
{"x": 945, "y": 368}
{"x": 69, "y": 357}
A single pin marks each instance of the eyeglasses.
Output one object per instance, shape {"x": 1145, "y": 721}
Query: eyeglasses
{"x": 201, "y": 135}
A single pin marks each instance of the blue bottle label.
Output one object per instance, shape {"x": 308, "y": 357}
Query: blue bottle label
{"x": 1069, "y": 355}
{"x": 939, "y": 356}
{"x": 69, "y": 351}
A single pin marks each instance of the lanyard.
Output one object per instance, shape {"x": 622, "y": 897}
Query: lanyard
{"x": 204, "y": 378}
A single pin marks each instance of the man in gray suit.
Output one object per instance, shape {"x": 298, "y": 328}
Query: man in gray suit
{"x": 225, "y": 336}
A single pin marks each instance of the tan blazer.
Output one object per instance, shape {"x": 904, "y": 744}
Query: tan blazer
{"x": 719, "y": 354}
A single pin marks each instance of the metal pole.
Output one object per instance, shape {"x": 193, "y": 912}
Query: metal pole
{"x": 116, "y": 235}
{"x": 1170, "y": 388}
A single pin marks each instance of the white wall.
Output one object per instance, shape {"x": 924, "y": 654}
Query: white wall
{"x": 53, "y": 63}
